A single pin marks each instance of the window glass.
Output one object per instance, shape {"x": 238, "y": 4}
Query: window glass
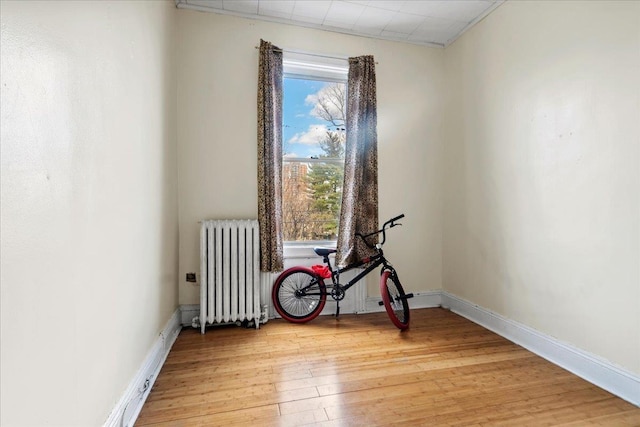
{"x": 313, "y": 157}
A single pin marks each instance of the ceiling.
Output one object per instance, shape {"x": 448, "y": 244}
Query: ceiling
{"x": 425, "y": 22}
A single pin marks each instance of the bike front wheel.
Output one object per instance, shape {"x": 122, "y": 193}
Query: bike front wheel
{"x": 395, "y": 300}
{"x": 299, "y": 295}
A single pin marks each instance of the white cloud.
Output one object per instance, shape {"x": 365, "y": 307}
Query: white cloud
{"x": 312, "y": 136}
{"x": 312, "y": 99}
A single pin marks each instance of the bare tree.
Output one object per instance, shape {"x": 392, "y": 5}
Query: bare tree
{"x": 296, "y": 200}
{"x": 330, "y": 104}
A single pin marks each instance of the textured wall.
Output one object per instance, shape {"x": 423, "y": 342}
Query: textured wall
{"x": 89, "y": 203}
{"x": 217, "y": 93}
{"x": 542, "y": 171}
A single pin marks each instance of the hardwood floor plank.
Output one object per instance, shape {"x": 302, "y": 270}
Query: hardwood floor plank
{"x": 360, "y": 370}
{"x": 297, "y": 419}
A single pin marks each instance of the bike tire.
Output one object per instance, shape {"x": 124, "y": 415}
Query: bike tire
{"x": 394, "y": 299}
{"x": 299, "y": 295}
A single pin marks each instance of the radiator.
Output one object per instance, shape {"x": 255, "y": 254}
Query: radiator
{"x": 230, "y": 278}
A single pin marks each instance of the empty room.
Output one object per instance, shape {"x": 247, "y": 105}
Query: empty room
{"x": 176, "y": 175}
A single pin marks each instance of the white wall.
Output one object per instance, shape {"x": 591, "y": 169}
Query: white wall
{"x": 540, "y": 166}
{"x": 89, "y": 203}
{"x": 542, "y": 186}
{"x": 217, "y": 97}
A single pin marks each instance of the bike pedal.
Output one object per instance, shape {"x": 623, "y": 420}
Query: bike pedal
{"x": 380, "y": 303}
{"x": 407, "y": 296}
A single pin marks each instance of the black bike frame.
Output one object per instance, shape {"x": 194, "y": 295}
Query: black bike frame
{"x": 378, "y": 259}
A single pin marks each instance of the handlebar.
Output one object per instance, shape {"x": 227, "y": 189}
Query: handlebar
{"x": 392, "y": 221}
{"x": 390, "y": 224}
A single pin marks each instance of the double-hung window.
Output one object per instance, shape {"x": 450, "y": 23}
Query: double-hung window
{"x": 313, "y": 137}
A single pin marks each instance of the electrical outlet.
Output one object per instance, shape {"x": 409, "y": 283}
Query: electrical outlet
{"x": 191, "y": 277}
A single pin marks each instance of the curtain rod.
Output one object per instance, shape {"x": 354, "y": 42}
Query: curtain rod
{"x": 310, "y": 54}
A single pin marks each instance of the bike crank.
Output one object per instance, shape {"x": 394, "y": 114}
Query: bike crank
{"x": 337, "y": 293}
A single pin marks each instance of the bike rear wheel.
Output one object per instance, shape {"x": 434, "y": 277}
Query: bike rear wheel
{"x": 395, "y": 300}
{"x": 299, "y": 295}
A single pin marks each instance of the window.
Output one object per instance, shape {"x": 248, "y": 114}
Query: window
{"x": 313, "y": 138}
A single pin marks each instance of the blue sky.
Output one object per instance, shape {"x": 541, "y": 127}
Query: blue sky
{"x": 300, "y": 127}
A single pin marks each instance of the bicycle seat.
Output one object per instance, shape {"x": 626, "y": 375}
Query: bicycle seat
{"x": 324, "y": 251}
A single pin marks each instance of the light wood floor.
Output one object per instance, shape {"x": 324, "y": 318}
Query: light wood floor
{"x": 360, "y": 370}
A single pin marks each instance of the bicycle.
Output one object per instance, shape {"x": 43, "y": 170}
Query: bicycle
{"x": 300, "y": 293}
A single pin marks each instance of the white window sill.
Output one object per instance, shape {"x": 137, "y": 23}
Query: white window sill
{"x": 304, "y": 250}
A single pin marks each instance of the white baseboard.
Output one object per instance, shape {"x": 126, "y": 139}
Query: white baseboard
{"x": 126, "y": 411}
{"x": 429, "y": 299}
{"x": 187, "y": 313}
{"x": 615, "y": 380}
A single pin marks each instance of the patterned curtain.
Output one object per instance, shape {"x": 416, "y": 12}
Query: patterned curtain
{"x": 270, "y": 157}
{"x": 359, "y": 212}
